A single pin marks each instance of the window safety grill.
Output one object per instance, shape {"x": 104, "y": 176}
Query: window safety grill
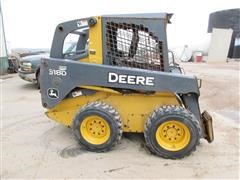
{"x": 132, "y": 45}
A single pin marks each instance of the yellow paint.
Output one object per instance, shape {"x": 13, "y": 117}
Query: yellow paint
{"x": 86, "y": 59}
{"x": 173, "y": 135}
{"x": 95, "y": 42}
{"x": 97, "y": 88}
{"x": 134, "y": 109}
{"x": 95, "y": 130}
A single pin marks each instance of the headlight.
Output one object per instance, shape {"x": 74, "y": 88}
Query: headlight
{"x": 27, "y": 64}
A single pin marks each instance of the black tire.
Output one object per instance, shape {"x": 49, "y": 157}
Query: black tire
{"x": 38, "y": 80}
{"x": 167, "y": 114}
{"x": 109, "y": 114}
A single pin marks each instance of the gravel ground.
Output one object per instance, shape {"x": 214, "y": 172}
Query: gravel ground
{"x": 35, "y": 147}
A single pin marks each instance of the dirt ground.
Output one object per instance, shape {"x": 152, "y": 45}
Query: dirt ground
{"x": 35, "y": 147}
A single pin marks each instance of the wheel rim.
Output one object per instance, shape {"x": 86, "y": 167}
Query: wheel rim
{"x": 95, "y": 130}
{"x": 173, "y": 135}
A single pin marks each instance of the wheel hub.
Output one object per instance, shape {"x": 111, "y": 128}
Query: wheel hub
{"x": 95, "y": 130}
{"x": 172, "y": 132}
{"x": 173, "y": 135}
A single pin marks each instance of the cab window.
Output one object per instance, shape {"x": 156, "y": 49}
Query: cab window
{"x": 75, "y": 45}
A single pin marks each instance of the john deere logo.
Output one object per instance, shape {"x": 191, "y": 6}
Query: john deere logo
{"x": 53, "y": 93}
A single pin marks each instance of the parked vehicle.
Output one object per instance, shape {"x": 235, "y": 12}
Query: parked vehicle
{"x": 30, "y": 68}
{"x": 30, "y": 65}
{"x": 120, "y": 80}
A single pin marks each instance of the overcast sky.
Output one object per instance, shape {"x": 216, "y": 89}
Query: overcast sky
{"x": 31, "y": 23}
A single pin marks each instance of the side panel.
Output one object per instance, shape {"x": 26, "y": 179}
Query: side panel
{"x": 64, "y": 75}
{"x": 134, "y": 109}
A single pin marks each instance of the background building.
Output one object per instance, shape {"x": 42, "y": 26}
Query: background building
{"x": 225, "y": 28}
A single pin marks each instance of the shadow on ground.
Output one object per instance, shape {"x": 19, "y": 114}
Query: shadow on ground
{"x": 30, "y": 86}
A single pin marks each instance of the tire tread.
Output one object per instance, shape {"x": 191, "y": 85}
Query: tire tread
{"x": 106, "y": 108}
{"x": 160, "y": 112}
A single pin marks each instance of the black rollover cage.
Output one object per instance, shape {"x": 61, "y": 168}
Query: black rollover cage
{"x": 136, "y": 43}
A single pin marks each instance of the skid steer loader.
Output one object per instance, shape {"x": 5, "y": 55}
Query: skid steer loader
{"x": 117, "y": 78}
